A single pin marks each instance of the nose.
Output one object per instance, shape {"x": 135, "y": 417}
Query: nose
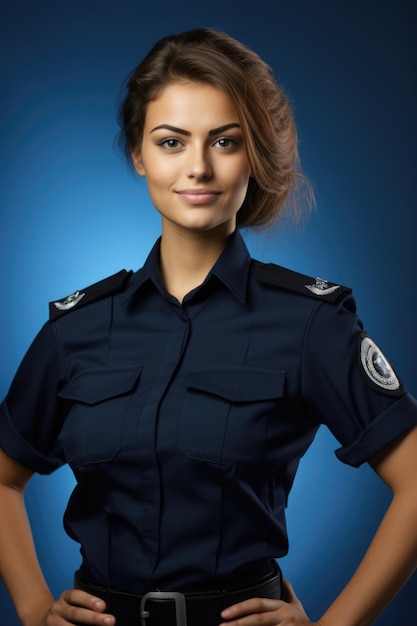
{"x": 199, "y": 165}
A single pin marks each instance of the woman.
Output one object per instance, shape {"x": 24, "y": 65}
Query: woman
{"x": 184, "y": 395}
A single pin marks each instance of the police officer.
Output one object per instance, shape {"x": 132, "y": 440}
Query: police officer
{"x": 184, "y": 395}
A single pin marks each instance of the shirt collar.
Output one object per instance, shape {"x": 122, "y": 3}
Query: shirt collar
{"x": 231, "y": 268}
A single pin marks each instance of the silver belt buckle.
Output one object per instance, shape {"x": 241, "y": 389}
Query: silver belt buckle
{"x": 179, "y": 600}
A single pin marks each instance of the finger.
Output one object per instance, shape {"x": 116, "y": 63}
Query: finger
{"x": 249, "y": 607}
{"x": 77, "y": 615}
{"x": 77, "y": 597}
{"x": 78, "y": 607}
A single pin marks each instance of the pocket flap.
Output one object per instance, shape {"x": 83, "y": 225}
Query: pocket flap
{"x": 239, "y": 384}
{"x": 95, "y": 385}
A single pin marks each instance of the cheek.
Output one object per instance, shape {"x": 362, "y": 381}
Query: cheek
{"x": 161, "y": 175}
{"x": 154, "y": 183}
{"x": 242, "y": 181}
{"x": 241, "y": 173}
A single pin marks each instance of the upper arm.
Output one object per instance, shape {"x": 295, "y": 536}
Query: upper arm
{"x": 397, "y": 464}
{"x": 12, "y": 473}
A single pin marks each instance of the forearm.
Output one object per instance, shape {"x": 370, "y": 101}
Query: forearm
{"x": 19, "y": 566}
{"x": 387, "y": 565}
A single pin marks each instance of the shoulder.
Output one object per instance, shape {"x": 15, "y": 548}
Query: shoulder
{"x": 80, "y": 298}
{"x": 297, "y": 283}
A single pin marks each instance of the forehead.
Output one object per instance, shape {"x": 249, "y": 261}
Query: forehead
{"x": 191, "y": 105}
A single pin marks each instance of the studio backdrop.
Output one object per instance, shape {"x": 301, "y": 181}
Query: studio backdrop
{"x": 71, "y": 213}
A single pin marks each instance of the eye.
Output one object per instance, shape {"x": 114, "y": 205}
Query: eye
{"x": 170, "y": 143}
{"x": 226, "y": 143}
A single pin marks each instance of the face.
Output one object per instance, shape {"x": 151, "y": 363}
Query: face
{"x": 194, "y": 158}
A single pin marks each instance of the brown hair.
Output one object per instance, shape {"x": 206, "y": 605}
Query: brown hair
{"x": 209, "y": 56}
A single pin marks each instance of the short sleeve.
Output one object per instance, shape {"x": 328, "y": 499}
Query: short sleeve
{"x": 353, "y": 401}
{"x": 31, "y": 415}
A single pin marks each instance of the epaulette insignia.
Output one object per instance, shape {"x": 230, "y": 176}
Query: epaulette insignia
{"x": 99, "y": 290}
{"x": 293, "y": 281}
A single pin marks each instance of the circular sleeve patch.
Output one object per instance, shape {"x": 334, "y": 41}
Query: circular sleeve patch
{"x": 377, "y": 368}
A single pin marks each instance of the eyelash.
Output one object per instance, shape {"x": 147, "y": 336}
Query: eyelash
{"x": 164, "y": 143}
{"x": 232, "y": 143}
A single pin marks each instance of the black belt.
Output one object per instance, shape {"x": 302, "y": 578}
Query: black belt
{"x": 166, "y": 608}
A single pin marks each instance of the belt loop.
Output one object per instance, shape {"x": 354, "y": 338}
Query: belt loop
{"x": 179, "y": 600}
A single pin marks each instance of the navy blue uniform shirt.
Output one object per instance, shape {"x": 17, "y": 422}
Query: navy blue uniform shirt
{"x": 184, "y": 423}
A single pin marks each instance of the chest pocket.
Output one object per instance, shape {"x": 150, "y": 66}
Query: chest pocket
{"x": 226, "y": 412}
{"x": 98, "y": 400}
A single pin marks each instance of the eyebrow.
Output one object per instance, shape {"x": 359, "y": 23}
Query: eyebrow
{"x": 181, "y": 131}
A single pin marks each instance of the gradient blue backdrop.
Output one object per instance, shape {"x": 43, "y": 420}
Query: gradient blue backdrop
{"x": 71, "y": 213}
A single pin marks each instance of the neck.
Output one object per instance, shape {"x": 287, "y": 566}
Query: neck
{"x": 187, "y": 258}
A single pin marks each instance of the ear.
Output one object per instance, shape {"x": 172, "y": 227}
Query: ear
{"x": 138, "y": 163}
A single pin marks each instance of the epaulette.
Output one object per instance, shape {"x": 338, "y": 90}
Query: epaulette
{"x": 103, "y": 288}
{"x": 293, "y": 281}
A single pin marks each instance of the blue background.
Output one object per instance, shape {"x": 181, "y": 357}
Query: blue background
{"x": 72, "y": 213}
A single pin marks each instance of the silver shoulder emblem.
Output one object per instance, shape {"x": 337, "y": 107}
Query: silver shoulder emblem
{"x": 376, "y": 366}
{"x": 322, "y": 288}
{"x": 69, "y": 302}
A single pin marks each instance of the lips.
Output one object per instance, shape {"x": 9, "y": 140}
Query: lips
{"x": 198, "y": 196}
